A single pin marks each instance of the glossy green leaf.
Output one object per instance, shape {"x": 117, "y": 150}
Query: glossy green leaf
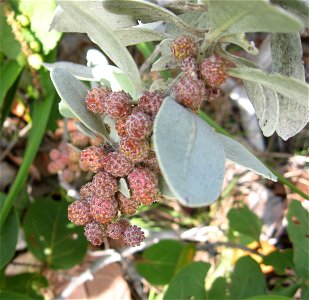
{"x": 280, "y": 260}
{"x": 184, "y": 153}
{"x": 51, "y": 237}
{"x": 269, "y": 297}
{"x": 11, "y": 70}
{"x": 239, "y": 154}
{"x": 74, "y": 93}
{"x": 81, "y": 72}
{"x": 189, "y": 283}
{"x": 217, "y": 290}
{"x": 9, "y": 234}
{"x": 244, "y": 221}
{"x": 104, "y": 37}
{"x": 159, "y": 261}
{"x": 145, "y": 11}
{"x": 247, "y": 279}
{"x": 4, "y": 295}
{"x": 287, "y": 86}
{"x": 298, "y": 230}
{"x": 28, "y": 284}
{"x": 287, "y": 52}
{"x": 40, "y": 112}
{"x": 237, "y": 16}
{"x": 286, "y": 291}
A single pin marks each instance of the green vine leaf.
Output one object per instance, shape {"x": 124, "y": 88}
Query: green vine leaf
{"x": 191, "y": 156}
{"x": 240, "y": 155}
{"x": 287, "y": 60}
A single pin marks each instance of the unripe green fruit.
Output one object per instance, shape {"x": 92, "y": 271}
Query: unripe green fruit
{"x": 35, "y": 61}
{"x": 35, "y": 46}
{"x": 23, "y": 20}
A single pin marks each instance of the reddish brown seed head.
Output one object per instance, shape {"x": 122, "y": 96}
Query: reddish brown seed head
{"x": 150, "y": 102}
{"x": 55, "y": 166}
{"x": 86, "y": 191}
{"x": 118, "y": 105}
{"x": 104, "y": 184}
{"x": 213, "y": 71}
{"x": 184, "y": 47}
{"x": 127, "y": 206}
{"x": 79, "y": 213}
{"x": 135, "y": 150}
{"x": 133, "y": 236}
{"x": 117, "y": 165}
{"x": 189, "y": 67}
{"x": 151, "y": 162}
{"x": 103, "y": 210}
{"x": 144, "y": 185}
{"x": 121, "y": 127}
{"x": 190, "y": 92}
{"x": 79, "y": 140}
{"x": 67, "y": 175}
{"x": 116, "y": 230}
{"x": 54, "y": 154}
{"x": 91, "y": 158}
{"x": 95, "y": 233}
{"x": 95, "y": 100}
{"x": 212, "y": 93}
{"x": 138, "y": 125}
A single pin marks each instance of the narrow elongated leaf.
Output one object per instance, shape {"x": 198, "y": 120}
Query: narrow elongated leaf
{"x": 104, "y": 37}
{"x": 50, "y": 235}
{"x": 79, "y": 71}
{"x": 290, "y": 87}
{"x": 73, "y": 93}
{"x": 240, "y": 155}
{"x": 62, "y": 20}
{"x": 189, "y": 153}
{"x": 145, "y": 12}
{"x": 238, "y": 16}
{"x": 247, "y": 279}
{"x": 298, "y": 230}
{"x": 189, "y": 283}
{"x": 246, "y": 222}
{"x": 287, "y": 60}
{"x": 41, "y": 111}
{"x": 10, "y": 72}
{"x": 133, "y": 35}
{"x": 8, "y": 236}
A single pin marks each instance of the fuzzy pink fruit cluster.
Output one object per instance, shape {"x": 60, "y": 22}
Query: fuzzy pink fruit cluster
{"x": 102, "y": 209}
{"x": 201, "y": 81}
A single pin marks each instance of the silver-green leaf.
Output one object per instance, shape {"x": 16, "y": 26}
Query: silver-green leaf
{"x": 73, "y": 93}
{"x": 190, "y": 155}
{"x": 239, "y": 154}
{"x": 104, "y": 37}
{"x": 287, "y": 60}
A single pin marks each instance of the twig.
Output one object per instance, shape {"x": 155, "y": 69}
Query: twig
{"x": 146, "y": 65}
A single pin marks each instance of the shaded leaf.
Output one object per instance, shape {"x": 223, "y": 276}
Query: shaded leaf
{"x": 189, "y": 283}
{"x": 73, "y": 93}
{"x": 247, "y": 279}
{"x": 51, "y": 237}
{"x": 269, "y": 297}
{"x": 298, "y": 230}
{"x": 240, "y": 40}
{"x": 159, "y": 261}
{"x": 287, "y": 60}
{"x": 239, "y": 154}
{"x": 287, "y": 86}
{"x": 28, "y": 284}
{"x": 165, "y": 190}
{"x": 217, "y": 290}
{"x": 245, "y": 221}
{"x": 99, "y": 32}
{"x": 280, "y": 260}
{"x": 13, "y": 296}
{"x": 184, "y": 153}
{"x": 9, "y": 234}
